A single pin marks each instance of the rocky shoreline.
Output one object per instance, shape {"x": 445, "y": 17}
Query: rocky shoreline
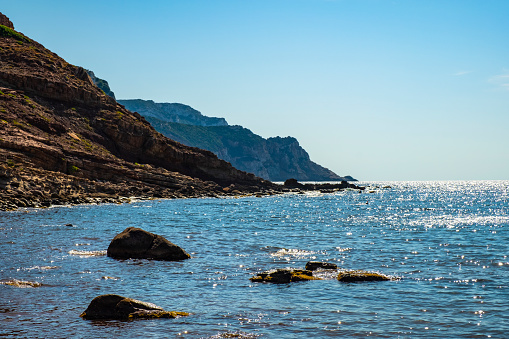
{"x": 22, "y": 187}
{"x": 64, "y": 141}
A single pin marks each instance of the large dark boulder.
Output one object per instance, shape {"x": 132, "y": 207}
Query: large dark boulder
{"x": 112, "y": 306}
{"x": 283, "y": 276}
{"x": 139, "y": 244}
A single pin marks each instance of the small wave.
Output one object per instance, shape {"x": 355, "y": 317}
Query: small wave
{"x": 21, "y": 283}
{"x": 327, "y": 274}
{"x": 42, "y": 268}
{"x": 87, "y": 253}
{"x": 284, "y": 252}
{"x": 451, "y": 221}
{"x": 234, "y": 335}
{"x": 108, "y": 278}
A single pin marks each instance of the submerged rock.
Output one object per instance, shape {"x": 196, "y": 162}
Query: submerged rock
{"x": 283, "y": 276}
{"x": 314, "y": 265}
{"x": 357, "y": 276}
{"x": 323, "y": 187}
{"x": 292, "y": 183}
{"x": 139, "y": 244}
{"x": 112, "y": 306}
{"x": 21, "y": 283}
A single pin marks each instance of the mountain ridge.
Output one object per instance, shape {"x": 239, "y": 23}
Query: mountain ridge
{"x": 171, "y": 112}
{"x": 275, "y": 159}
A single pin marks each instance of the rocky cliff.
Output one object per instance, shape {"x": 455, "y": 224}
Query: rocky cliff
{"x": 62, "y": 140}
{"x": 4, "y": 21}
{"x": 172, "y": 112}
{"x": 275, "y": 159}
{"x": 101, "y": 83}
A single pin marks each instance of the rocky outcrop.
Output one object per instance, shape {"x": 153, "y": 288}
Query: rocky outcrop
{"x": 314, "y": 265}
{"x": 5, "y": 21}
{"x": 116, "y": 307}
{"x": 324, "y": 188}
{"x": 171, "y": 112}
{"x": 136, "y": 243}
{"x": 63, "y": 140}
{"x": 360, "y": 276}
{"x": 101, "y": 83}
{"x": 284, "y": 276}
{"x": 27, "y": 66}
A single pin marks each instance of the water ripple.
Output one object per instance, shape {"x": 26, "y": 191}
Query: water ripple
{"x": 447, "y": 241}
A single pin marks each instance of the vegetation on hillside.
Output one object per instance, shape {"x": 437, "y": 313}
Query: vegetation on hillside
{"x": 6, "y": 32}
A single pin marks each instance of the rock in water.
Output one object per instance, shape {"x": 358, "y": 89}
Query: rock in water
{"x": 283, "y": 276}
{"x": 293, "y": 183}
{"x": 314, "y": 265}
{"x": 139, "y": 244}
{"x": 112, "y": 306}
{"x": 358, "y": 276}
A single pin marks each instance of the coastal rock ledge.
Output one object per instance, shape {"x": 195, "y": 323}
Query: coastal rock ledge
{"x": 135, "y": 243}
{"x": 116, "y": 307}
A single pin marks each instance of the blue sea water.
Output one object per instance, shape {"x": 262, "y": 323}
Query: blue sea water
{"x": 446, "y": 241}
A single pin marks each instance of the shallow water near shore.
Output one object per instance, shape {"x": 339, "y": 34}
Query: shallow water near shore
{"x": 447, "y": 241}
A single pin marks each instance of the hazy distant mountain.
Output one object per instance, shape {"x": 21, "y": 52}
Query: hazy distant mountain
{"x": 275, "y": 159}
{"x": 102, "y": 84}
{"x": 180, "y": 113}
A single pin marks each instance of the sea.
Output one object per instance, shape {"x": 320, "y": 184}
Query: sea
{"x": 444, "y": 243}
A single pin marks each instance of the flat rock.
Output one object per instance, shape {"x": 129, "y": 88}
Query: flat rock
{"x": 358, "y": 276}
{"x": 136, "y": 243}
{"x": 112, "y": 306}
{"x": 283, "y": 276}
{"x": 314, "y": 265}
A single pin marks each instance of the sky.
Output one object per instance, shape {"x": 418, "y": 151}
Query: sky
{"x": 377, "y": 89}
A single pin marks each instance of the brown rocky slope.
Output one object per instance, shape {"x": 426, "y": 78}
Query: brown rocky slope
{"x": 62, "y": 140}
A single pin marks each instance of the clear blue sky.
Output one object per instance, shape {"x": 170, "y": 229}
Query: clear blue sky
{"x": 380, "y": 90}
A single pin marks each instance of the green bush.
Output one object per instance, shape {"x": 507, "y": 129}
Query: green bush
{"x": 73, "y": 169}
{"x": 6, "y": 32}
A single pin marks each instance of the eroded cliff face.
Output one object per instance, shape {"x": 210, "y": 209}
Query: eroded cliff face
{"x": 275, "y": 159}
{"x": 294, "y": 162}
{"x": 101, "y": 83}
{"x": 4, "y": 21}
{"x": 63, "y": 139}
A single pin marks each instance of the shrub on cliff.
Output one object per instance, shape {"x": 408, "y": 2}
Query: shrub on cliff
{"x": 6, "y": 32}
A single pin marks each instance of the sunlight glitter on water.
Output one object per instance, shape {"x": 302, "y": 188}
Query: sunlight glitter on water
{"x": 453, "y": 269}
{"x": 87, "y": 253}
{"x": 292, "y": 252}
